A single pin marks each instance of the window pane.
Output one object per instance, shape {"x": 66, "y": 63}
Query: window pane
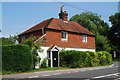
{"x": 64, "y": 35}
{"x": 84, "y": 38}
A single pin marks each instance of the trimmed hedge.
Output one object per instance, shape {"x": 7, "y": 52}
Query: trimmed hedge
{"x": 16, "y": 58}
{"x": 76, "y": 59}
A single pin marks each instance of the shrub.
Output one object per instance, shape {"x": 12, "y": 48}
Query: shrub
{"x": 105, "y": 58}
{"x": 74, "y": 59}
{"x": 44, "y": 64}
{"x": 16, "y": 58}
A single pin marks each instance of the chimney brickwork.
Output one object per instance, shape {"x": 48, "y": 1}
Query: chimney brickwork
{"x": 63, "y": 15}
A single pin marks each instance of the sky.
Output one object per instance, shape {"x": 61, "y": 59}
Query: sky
{"x": 60, "y": 0}
{"x": 20, "y": 16}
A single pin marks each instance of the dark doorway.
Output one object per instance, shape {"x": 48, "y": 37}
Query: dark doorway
{"x": 55, "y": 58}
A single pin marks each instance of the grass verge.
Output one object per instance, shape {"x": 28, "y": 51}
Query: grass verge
{"x": 36, "y": 70}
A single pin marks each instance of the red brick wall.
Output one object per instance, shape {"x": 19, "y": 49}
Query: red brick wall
{"x": 74, "y": 40}
{"x": 35, "y": 33}
{"x": 54, "y": 37}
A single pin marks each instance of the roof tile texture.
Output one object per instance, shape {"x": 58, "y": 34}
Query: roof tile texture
{"x": 58, "y": 24}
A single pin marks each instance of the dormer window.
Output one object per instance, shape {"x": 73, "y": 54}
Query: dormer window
{"x": 64, "y": 35}
{"x": 84, "y": 38}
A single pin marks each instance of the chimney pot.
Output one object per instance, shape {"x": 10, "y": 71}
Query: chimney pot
{"x": 63, "y": 15}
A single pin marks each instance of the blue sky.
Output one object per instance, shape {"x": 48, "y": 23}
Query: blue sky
{"x": 19, "y": 16}
{"x": 60, "y": 0}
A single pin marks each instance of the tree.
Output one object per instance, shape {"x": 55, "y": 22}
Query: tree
{"x": 9, "y": 40}
{"x": 96, "y": 25}
{"x": 92, "y": 22}
{"x": 34, "y": 47}
{"x": 6, "y": 41}
{"x": 114, "y": 33}
{"x": 102, "y": 43}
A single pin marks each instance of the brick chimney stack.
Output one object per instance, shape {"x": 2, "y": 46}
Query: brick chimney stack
{"x": 63, "y": 15}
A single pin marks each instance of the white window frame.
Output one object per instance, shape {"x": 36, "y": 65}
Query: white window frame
{"x": 84, "y": 38}
{"x": 66, "y": 38}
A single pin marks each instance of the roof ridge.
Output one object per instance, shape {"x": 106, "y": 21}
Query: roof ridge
{"x": 58, "y": 24}
{"x": 36, "y": 25}
{"x": 49, "y": 22}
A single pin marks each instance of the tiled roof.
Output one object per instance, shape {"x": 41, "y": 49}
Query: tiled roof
{"x": 58, "y": 24}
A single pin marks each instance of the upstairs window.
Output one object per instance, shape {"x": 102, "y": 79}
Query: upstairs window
{"x": 84, "y": 38}
{"x": 64, "y": 35}
{"x": 23, "y": 37}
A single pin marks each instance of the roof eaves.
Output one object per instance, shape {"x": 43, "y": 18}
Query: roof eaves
{"x": 72, "y": 32}
{"x": 25, "y": 32}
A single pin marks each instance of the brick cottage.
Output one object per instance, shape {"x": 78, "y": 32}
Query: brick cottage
{"x": 57, "y": 34}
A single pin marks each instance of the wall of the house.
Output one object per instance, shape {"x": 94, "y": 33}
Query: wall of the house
{"x": 53, "y": 37}
{"x": 35, "y": 33}
{"x": 44, "y": 54}
{"x": 74, "y": 40}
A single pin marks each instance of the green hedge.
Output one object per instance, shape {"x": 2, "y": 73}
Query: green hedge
{"x": 16, "y": 58}
{"x": 76, "y": 59}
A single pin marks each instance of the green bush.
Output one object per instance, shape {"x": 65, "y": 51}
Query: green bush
{"x": 16, "y": 58}
{"x": 105, "y": 58}
{"x": 44, "y": 65}
{"x": 75, "y": 59}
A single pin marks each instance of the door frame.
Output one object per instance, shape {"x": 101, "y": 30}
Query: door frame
{"x": 50, "y": 52}
{"x": 55, "y": 55}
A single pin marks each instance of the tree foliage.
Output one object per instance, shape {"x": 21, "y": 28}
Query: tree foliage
{"x": 34, "y": 47}
{"x": 114, "y": 33}
{"x": 16, "y": 58}
{"x": 96, "y": 25}
{"x": 77, "y": 59}
{"x": 9, "y": 40}
{"x": 92, "y": 22}
{"x": 6, "y": 41}
{"x": 102, "y": 43}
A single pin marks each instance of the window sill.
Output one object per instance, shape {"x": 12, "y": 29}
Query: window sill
{"x": 84, "y": 41}
{"x": 64, "y": 40}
